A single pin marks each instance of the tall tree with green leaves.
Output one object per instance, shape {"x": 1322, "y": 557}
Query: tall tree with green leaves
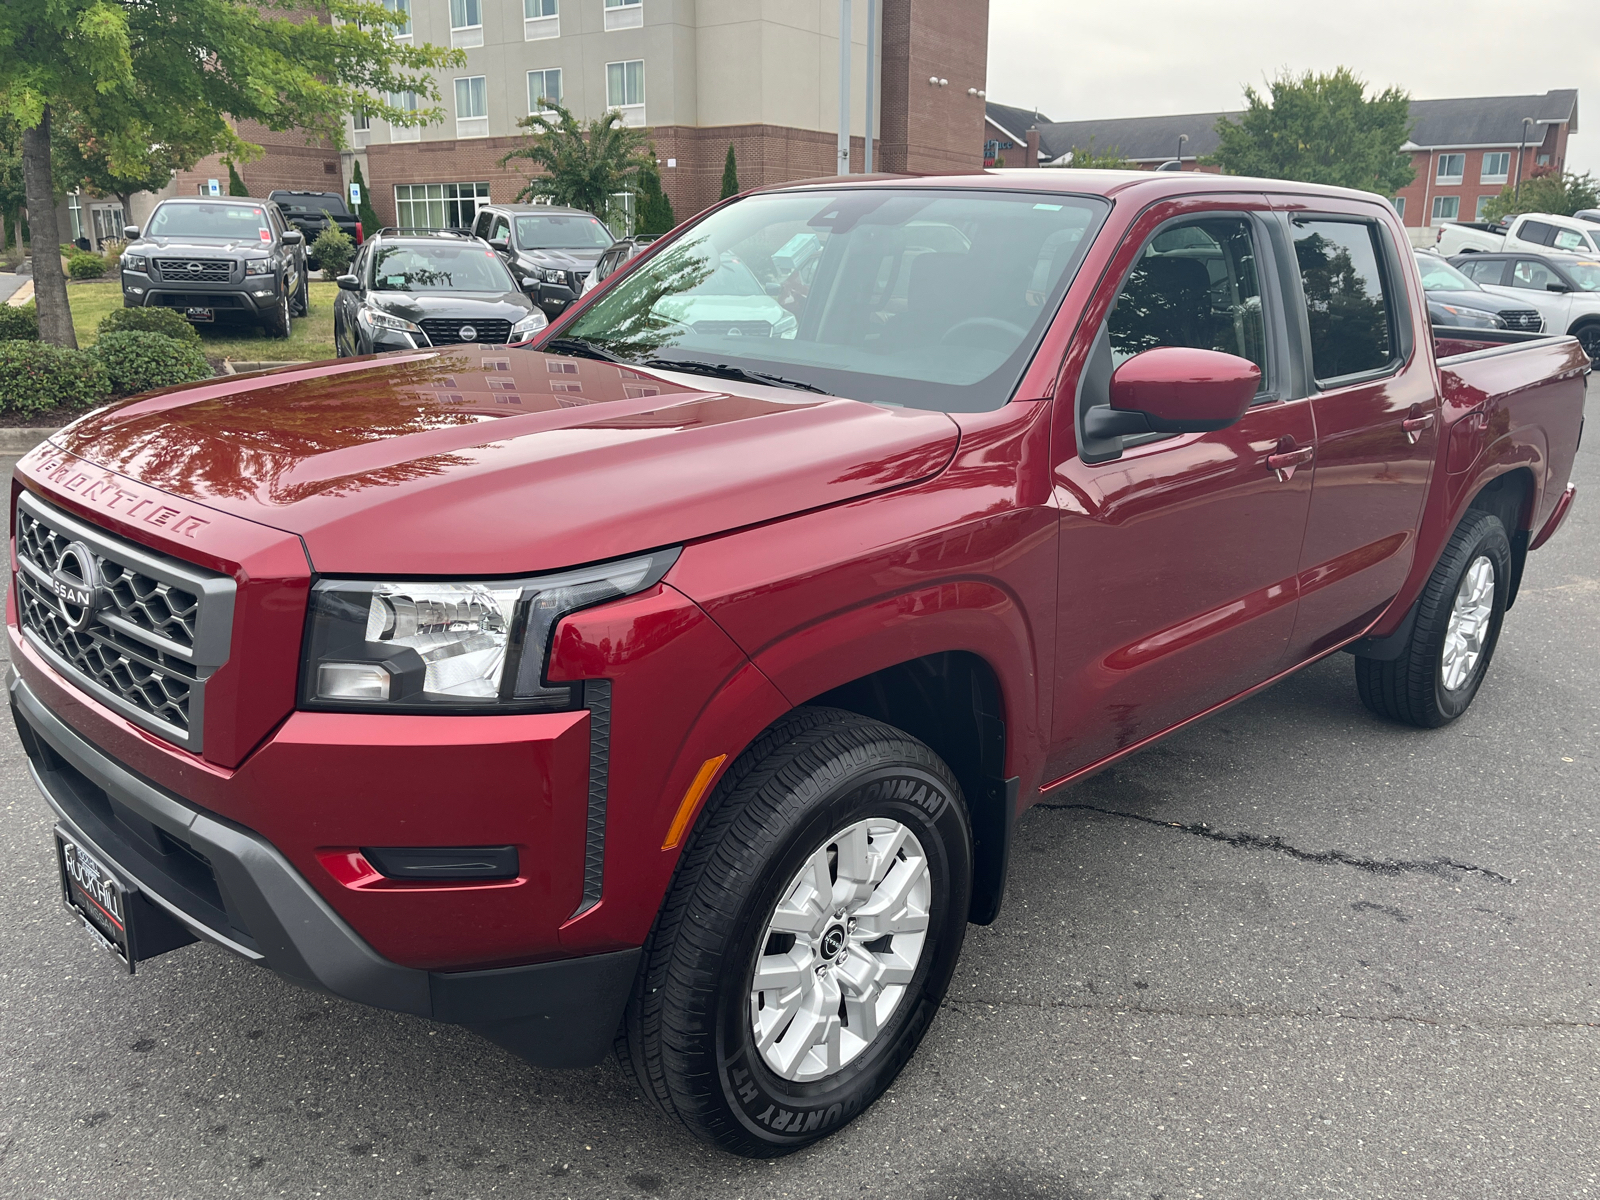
{"x": 1090, "y": 158}
{"x": 1320, "y": 129}
{"x": 1546, "y": 191}
{"x": 131, "y": 70}
{"x": 80, "y": 157}
{"x": 655, "y": 215}
{"x": 236, "y": 185}
{"x": 585, "y": 162}
{"x": 730, "y": 175}
{"x": 368, "y": 215}
{"x": 12, "y": 194}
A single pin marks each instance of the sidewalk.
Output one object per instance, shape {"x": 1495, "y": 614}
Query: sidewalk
{"x": 16, "y": 289}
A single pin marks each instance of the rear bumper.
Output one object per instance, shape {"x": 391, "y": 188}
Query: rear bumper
{"x": 228, "y": 885}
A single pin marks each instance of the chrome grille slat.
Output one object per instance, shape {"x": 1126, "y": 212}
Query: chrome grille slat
{"x": 1524, "y": 320}
{"x": 157, "y": 628}
{"x": 446, "y": 331}
{"x": 212, "y": 270}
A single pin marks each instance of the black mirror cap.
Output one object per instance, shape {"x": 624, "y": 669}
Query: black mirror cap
{"x": 293, "y": 237}
{"x": 130, "y": 233}
{"x": 1556, "y": 287}
{"x": 500, "y": 243}
{"x": 349, "y": 283}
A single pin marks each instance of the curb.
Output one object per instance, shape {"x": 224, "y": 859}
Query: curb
{"x": 22, "y": 295}
{"x": 20, "y": 441}
{"x": 229, "y": 367}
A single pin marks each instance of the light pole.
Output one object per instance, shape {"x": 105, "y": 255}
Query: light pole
{"x": 1182, "y": 138}
{"x": 845, "y": 27}
{"x": 1522, "y": 150}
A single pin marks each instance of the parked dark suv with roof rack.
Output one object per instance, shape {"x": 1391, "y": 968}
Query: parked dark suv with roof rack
{"x": 557, "y": 247}
{"x": 228, "y": 258}
{"x": 429, "y": 287}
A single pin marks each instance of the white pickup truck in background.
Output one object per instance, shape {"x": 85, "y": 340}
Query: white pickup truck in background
{"x": 1529, "y": 231}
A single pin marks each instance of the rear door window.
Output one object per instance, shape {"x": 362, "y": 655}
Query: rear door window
{"x": 1347, "y": 301}
{"x": 1532, "y": 275}
{"x": 1479, "y": 270}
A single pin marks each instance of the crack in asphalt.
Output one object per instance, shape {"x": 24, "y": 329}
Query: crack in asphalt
{"x": 1438, "y": 867}
{"x": 1152, "y": 1010}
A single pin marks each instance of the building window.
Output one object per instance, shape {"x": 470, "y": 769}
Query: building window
{"x": 466, "y": 22}
{"x": 1451, "y": 168}
{"x": 1543, "y": 160}
{"x": 625, "y": 89}
{"x": 624, "y": 14}
{"x": 361, "y": 122}
{"x": 1399, "y": 203}
{"x": 75, "y": 212}
{"x": 472, "y": 107}
{"x": 402, "y": 7}
{"x": 406, "y": 101}
{"x": 439, "y": 205}
{"x": 1446, "y": 208}
{"x": 1483, "y": 203}
{"x": 543, "y": 85}
{"x": 1496, "y": 166}
{"x": 540, "y": 19}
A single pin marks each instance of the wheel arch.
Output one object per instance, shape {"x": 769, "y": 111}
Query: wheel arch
{"x": 1510, "y": 496}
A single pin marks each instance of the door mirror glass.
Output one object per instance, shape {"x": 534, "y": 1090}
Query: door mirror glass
{"x": 349, "y": 283}
{"x": 1179, "y": 389}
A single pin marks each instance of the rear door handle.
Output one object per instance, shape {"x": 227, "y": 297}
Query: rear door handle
{"x": 1284, "y": 462}
{"x": 1415, "y": 425}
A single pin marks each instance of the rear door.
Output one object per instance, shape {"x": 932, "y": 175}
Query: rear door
{"x": 1376, "y": 405}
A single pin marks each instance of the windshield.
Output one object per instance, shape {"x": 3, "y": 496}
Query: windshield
{"x": 562, "y": 233}
{"x": 236, "y": 222}
{"x": 1585, "y": 274}
{"x": 439, "y": 269}
{"x": 1440, "y": 276}
{"x": 926, "y": 299}
{"x": 313, "y": 202}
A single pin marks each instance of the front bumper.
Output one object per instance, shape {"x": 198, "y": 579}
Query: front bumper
{"x": 239, "y": 299}
{"x": 228, "y": 885}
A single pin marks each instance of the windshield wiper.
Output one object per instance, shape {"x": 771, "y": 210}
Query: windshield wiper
{"x": 580, "y": 348}
{"x": 729, "y": 371}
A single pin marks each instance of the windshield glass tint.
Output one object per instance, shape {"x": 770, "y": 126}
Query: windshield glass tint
{"x": 1585, "y": 274}
{"x": 1440, "y": 276}
{"x": 439, "y": 269}
{"x": 243, "y": 222}
{"x": 928, "y": 299}
{"x": 562, "y": 233}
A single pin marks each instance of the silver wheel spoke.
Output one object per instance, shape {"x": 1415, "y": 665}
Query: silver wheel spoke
{"x": 1471, "y": 615}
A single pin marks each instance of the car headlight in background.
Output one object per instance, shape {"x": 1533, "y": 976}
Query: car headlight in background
{"x": 528, "y": 326}
{"x": 553, "y": 276}
{"x": 1464, "y": 318}
{"x": 259, "y": 266}
{"x": 133, "y": 262}
{"x": 373, "y": 319}
{"x": 453, "y": 647}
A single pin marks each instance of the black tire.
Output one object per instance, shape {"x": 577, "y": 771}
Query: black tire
{"x": 686, "y": 1036}
{"x": 1588, "y": 335}
{"x": 1412, "y": 688}
{"x": 276, "y": 321}
{"x": 300, "y": 306}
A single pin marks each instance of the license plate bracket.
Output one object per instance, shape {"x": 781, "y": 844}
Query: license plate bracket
{"x": 200, "y": 316}
{"x": 99, "y": 898}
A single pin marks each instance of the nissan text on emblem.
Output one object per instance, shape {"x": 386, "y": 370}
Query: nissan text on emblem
{"x": 467, "y": 333}
{"x": 75, "y": 586}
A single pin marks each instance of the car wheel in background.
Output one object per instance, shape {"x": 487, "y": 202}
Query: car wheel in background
{"x": 1588, "y": 335}
{"x": 1453, "y": 638}
{"x": 301, "y": 305}
{"x": 276, "y": 320}
{"x": 808, "y": 937}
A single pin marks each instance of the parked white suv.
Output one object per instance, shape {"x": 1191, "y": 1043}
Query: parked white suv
{"x": 1565, "y": 288}
{"x": 1529, "y": 231}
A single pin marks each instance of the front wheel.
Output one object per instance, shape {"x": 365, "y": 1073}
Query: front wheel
{"x": 1588, "y": 336}
{"x": 276, "y": 320}
{"x": 809, "y": 934}
{"x": 1453, "y": 638}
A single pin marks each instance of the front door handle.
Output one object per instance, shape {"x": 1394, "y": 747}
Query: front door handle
{"x": 1288, "y": 457}
{"x": 1415, "y": 424}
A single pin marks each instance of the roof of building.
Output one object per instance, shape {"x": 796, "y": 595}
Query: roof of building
{"x": 1015, "y": 121}
{"x": 1471, "y": 121}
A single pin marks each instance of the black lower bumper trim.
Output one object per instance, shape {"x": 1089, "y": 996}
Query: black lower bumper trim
{"x": 555, "y": 1014}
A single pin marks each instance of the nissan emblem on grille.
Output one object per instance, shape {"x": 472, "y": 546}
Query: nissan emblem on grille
{"x": 74, "y": 584}
{"x": 194, "y": 268}
{"x": 468, "y": 333}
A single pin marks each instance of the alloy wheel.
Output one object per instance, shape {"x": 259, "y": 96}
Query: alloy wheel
{"x": 1468, "y": 629}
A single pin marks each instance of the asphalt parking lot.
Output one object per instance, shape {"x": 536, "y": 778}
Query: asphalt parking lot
{"x": 1290, "y": 952}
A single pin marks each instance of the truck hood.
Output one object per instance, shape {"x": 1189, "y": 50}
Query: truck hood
{"x": 479, "y": 460}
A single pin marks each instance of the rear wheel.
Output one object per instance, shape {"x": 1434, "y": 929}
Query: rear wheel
{"x": 301, "y": 305}
{"x": 1457, "y": 626}
{"x": 808, "y": 936}
{"x": 1588, "y": 335}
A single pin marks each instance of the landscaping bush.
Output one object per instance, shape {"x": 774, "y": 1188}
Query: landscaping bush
{"x": 35, "y": 376}
{"x": 86, "y": 266}
{"x": 139, "y": 361}
{"x": 19, "y": 324}
{"x": 165, "y": 321}
{"x": 333, "y": 249}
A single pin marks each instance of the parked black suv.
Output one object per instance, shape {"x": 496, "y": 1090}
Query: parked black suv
{"x": 218, "y": 258}
{"x": 312, "y": 212}
{"x": 556, "y": 246}
{"x": 419, "y": 287}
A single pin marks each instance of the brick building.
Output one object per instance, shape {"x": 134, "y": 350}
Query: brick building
{"x": 1463, "y": 151}
{"x": 700, "y": 74}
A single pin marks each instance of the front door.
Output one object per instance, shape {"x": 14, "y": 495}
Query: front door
{"x": 1178, "y": 553}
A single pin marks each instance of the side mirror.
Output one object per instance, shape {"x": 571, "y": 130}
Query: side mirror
{"x": 529, "y": 282}
{"x": 1176, "y": 389}
{"x": 1556, "y": 287}
{"x": 130, "y": 233}
{"x": 293, "y": 237}
{"x": 501, "y": 244}
{"x": 349, "y": 283}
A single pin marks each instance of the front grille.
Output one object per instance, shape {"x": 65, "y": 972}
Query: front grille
{"x": 1526, "y": 320}
{"x": 575, "y": 279}
{"x": 195, "y": 270}
{"x": 734, "y": 328}
{"x": 446, "y": 331}
{"x": 153, "y": 629}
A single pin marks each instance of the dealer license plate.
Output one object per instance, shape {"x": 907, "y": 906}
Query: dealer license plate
{"x": 200, "y": 315}
{"x": 97, "y": 896}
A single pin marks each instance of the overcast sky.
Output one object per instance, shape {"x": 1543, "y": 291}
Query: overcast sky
{"x": 1079, "y": 60}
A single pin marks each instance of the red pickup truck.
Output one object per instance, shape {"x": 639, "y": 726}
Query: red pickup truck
{"x": 674, "y": 685}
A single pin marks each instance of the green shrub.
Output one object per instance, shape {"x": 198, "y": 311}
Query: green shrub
{"x": 138, "y": 361}
{"x": 333, "y": 250}
{"x": 36, "y": 376}
{"x": 165, "y": 321}
{"x": 19, "y": 324}
{"x": 86, "y": 266}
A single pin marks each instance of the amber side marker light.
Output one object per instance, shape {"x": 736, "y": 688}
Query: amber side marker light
{"x": 691, "y": 800}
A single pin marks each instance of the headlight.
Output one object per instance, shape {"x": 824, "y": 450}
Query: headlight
{"x": 259, "y": 266}
{"x": 133, "y": 262}
{"x": 374, "y": 319}
{"x": 528, "y": 326}
{"x": 442, "y": 647}
{"x": 553, "y": 276}
{"x": 1469, "y": 318}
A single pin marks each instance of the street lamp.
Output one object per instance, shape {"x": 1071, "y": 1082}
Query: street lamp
{"x": 1522, "y": 150}
{"x": 1182, "y": 138}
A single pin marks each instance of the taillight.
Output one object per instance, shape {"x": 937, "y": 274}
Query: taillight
{"x": 360, "y": 235}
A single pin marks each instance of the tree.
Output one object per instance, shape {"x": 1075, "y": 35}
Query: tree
{"x": 236, "y": 185}
{"x": 1546, "y": 191}
{"x": 1088, "y": 158}
{"x": 12, "y": 194}
{"x": 585, "y": 162}
{"x": 80, "y": 157}
{"x": 133, "y": 72}
{"x": 1320, "y": 129}
{"x": 655, "y": 215}
{"x": 730, "y": 175}
{"x": 368, "y": 215}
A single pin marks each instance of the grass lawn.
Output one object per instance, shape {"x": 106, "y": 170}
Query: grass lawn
{"x": 311, "y": 337}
